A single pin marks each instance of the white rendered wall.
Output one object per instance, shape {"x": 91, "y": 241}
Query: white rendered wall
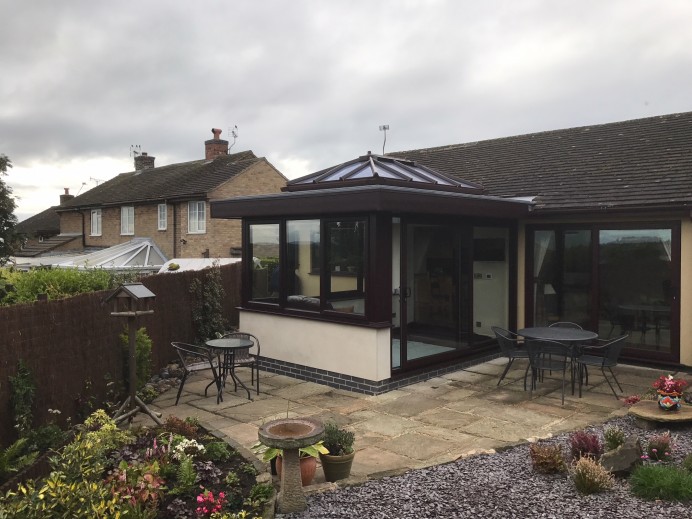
{"x": 351, "y": 350}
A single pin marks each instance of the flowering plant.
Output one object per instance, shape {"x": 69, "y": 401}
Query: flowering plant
{"x": 669, "y": 384}
{"x": 208, "y": 504}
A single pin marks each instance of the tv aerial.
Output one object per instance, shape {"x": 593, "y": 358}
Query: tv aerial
{"x": 234, "y": 133}
{"x": 384, "y": 128}
{"x": 135, "y": 149}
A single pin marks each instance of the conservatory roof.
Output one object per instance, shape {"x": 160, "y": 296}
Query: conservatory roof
{"x": 382, "y": 170}
{"x": 139, "y": 253}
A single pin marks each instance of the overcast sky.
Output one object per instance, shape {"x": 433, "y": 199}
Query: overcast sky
{"x": 308, "y": 83}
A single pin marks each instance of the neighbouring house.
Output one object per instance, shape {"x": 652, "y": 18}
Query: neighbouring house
{"x": 386, "y": 270}
{"x": 169, "y": 205}
{"x": 41, "y": 233}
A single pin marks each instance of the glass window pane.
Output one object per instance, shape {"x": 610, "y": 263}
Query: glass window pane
{"x": 574, "y": 291}
{"x": 345, "y": 244}
{"x": 303, "y": 263}
{"x": 544, "y": 278}
{"x": 127, "y": 220}
{"x": 163, "y": 217}
{"x": 265, "y": 252}
{"x": 635, "y": 286}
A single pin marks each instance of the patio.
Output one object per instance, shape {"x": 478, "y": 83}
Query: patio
{"x": 429, "y": 423}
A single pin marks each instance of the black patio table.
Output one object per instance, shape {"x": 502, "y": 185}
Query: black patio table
{"x": 573, "y": 337}
{"x": 229, "y": 347}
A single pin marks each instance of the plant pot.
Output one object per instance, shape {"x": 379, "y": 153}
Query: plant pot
{"x": 308, "y": 467}
{"x": 669, "y": 401}
{"x": 336, "y": 467}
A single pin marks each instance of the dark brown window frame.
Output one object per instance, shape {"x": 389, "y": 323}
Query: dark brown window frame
{"x": 595, "y": 227}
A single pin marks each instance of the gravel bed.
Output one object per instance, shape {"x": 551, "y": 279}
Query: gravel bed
{"x": 501, "y": 485}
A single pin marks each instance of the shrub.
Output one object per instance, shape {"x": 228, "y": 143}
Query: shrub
{"x": 590, "y": 477}
{"x": 666, "y": 482}
{"x": 217, "y": 451}
{"x": 186, "y": 477}
{"x": 659, "y": 447}
{"x": 232, "y": 479}
{"x": 547, "y": 459}
{"x": 14, "y": 458}
{"x": 583, "y": 444}
{"x": 259, "y": 494}
{"x": 338, "y": 441}
{"x": 182, "y": 427}
{"x": 614, "y": 437}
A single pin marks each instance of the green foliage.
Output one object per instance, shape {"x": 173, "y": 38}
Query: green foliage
{"x": 248, "y": 468}
{"x": 687, "y": 463}
{"x": 590, "y": 477}
{"x": 14, "y": 458}
{"x": 259, "y": 494}
{"x": 22, "y": 390}
{"x": 58, "y": 283}
{"x": 186, "y": 477}
{"x": 180, "y": 427}
{"x": 614, "y": 437}
{"x": 207, "y": 304}
{"x": 139, "y": 486}
{"x": 46, "y": 437}
{"x": 142, "y": 354}
{"x": 583, "y": 444}
{"x": 59, "y": 497}
{"x": 547, "y": 459}
{"x": 217, "y": 451}
{"x": 8, "y": 239}
{"x": 658, "y": 481}
{"x": 232, "y": 479}
{"x": 336, "y": 440}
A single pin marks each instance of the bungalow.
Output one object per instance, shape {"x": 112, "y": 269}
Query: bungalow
{"x": 385, "y": 270}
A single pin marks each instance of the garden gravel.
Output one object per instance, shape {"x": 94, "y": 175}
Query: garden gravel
{"x": 501, "y": 485}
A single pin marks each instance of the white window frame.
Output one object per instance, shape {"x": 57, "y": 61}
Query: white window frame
{"x": 96, "y": 222}
{"x": 163, "y": 217}
{"x": 127, "y": 220}
{"x": 196, "y": 217}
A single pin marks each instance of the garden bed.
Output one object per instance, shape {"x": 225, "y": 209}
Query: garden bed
{"x": 175, "y": 471}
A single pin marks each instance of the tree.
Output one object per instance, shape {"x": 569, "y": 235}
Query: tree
{"x": 7, "y": 218}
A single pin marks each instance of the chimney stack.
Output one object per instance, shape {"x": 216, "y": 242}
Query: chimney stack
{"x": 216, "y": 146}
{"x": 66, "y": 197}
{"x": 144, "y": 161}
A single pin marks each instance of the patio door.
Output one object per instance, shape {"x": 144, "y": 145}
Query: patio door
{"x": 426, "y": 306}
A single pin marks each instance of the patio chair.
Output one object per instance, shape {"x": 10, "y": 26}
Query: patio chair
{"x": 565, "y": 324}
{"x": 195, "y": 358}
{"x": 605, "y": 355}
{"x": 247, "y": 358}
{"x": 550, "y": 356}
{"x": 510, "y": 345}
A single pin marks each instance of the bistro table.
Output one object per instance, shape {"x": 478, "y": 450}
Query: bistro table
{"x": 226, "y": 349}
{"x": 569, "y": 336}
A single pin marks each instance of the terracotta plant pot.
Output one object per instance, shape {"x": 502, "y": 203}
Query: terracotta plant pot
{"x": 336, "y": 467}
{"x": 308, "y": 467}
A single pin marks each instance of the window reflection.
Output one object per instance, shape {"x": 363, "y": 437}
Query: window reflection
{"x": 265, "y": 254}
{"x": 345, "y": 251}
{"x": 303, "y": 280}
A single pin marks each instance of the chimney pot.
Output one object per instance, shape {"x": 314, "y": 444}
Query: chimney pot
{"x": 66, "y": 197}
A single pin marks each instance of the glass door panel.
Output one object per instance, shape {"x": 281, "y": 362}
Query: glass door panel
{"x": 635, "y": 294}
{"x": 575, "y": 286}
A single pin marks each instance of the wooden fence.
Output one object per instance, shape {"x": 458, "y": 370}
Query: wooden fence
{"x": 72, "y": 346}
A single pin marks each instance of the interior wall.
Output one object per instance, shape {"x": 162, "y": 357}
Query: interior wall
{"x": 491, "y": 286}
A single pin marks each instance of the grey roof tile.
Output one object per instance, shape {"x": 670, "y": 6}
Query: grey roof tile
{"x": 175, "y": 181}
{"x": 643, "y": 162}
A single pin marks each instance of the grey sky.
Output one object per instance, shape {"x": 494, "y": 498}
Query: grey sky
{"x": 309, "y": 82}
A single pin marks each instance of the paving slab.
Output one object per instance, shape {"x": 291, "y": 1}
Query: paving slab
{"x": 386, "y": 425}
{"x": 499, "y": 430}
{"x": 299, "y": 391}
{"x": 516, "y": 415}
{"x": 372, "y": 460}
{"x": 417, "y": 446}
{"x": 447, "y": 418}
{"x": 409, "y": 406}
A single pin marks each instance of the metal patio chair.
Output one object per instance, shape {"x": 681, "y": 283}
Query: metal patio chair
{"x": 247, "y": 358}
{"x": 550, "y": 356}
{"x": 604, "y": 355}
{"x": 511, "y": 347}
{"x": 566, "y": 324}
{"x": 195, "y": 358}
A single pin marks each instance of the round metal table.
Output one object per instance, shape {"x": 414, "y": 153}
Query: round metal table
{"x": 228, "y": 347}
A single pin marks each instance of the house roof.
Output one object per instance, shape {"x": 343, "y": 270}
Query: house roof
{"x": 45, "y": 222}
{"x": 643, "y": 163}
{"x": 37, "y": 249}
{"x": 175, "y": 181}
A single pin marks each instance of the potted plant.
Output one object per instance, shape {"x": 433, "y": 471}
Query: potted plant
{"x": 669, "y": 391}
{"x": 337, "y": 463}
{"x": 308, "y": 459}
